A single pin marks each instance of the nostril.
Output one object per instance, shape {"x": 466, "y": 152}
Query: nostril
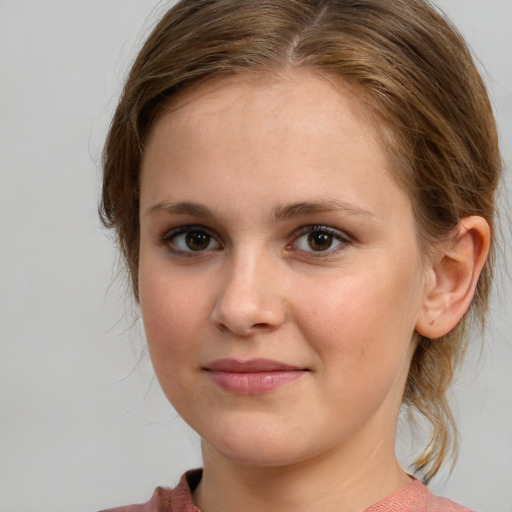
{"x": 261, "y": 326}
{"x": 252, "y": 314}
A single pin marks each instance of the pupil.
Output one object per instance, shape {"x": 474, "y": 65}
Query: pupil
{"x": 197, "y": 241}
{"x": 319, "y": 241}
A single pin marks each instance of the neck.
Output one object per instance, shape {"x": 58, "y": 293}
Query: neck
{"x": 348, "y": 480}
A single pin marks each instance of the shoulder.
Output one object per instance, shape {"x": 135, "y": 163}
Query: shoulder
{"x": 416, "y": 497}
{"x": 178, "y": 499}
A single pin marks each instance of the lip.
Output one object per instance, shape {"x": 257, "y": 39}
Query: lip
{"x": 252, "y": 377}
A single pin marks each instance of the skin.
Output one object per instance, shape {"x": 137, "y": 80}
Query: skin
{"x": 253, "y": 157}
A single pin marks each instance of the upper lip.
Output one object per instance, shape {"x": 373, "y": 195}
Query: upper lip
{"x": 250, "y": 366}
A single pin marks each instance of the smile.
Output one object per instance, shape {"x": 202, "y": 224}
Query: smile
{"x": 253, "y": 377}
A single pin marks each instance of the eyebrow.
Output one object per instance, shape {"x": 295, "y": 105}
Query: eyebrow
{"x": 293, "y": 210}
{"x": 279, "y": 213}
{"x": 184, "y": 208}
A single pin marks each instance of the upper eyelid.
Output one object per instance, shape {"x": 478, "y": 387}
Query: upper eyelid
{"x": 344, "y": 240}
{"x": 187, "y": 228}
{"x": 322, "y": 227}
{"x": 167, "y": 240}
{"x": 302, "y": 229}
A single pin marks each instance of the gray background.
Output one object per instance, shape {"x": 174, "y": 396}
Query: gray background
{"x": 83, "y": 425}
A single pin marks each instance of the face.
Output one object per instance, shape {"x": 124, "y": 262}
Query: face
{"x": 280, "y": 277}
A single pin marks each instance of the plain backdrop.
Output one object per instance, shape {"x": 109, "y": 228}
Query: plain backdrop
{"x": 83, "y": 424}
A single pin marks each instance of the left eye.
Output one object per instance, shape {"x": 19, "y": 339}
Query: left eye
{"x": 320, "y": 239}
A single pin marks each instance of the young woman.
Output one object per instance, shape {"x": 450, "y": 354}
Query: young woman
{"x": 303, "y": 192}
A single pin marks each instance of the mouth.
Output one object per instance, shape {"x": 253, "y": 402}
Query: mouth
{"x": 253, "y": 377}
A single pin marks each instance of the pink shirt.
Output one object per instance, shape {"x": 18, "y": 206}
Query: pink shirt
{"x": 413, "y": 498}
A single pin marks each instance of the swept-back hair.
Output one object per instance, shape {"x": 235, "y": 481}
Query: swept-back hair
{"x": 413, "y": 70}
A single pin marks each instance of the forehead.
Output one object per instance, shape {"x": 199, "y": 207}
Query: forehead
{"x": 301, "y": 89}
{"x": 301, "y": 134}
{"x": 254, "y": 107}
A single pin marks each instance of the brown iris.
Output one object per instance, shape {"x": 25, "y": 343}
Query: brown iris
{"x": 319, "y": 241}
{"x": 197, "y": 240}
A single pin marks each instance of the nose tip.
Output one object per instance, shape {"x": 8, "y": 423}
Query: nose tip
{"x": 248, "y": 305}
{"x": 244, "y": 319}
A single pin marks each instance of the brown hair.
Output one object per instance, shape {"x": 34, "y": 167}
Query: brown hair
{"x": 414, "y": 71}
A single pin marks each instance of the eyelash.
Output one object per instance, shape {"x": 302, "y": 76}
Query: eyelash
{"x": 169, "y": 239}
{"x": 343, "y": 238}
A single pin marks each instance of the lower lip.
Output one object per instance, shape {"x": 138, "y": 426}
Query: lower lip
{"x": 254, "y": 383}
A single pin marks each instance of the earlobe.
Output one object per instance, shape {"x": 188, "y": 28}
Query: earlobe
{"x": 452, "y": 278}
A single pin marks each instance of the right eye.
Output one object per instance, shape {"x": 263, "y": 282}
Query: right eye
{"x": 191, "y": 239}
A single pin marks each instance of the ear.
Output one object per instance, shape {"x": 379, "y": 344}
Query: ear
{"x": 452, "y": 278}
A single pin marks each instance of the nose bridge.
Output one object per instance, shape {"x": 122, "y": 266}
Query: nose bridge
{"x": 249, "y": 299}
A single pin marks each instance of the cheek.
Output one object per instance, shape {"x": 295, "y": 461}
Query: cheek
{"x": 362, "y": 322}
{"x": 169, "y": 300}
{"x": 172, "y": 314}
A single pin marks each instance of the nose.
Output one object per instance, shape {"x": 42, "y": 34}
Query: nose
{"x": 250, "y": 298}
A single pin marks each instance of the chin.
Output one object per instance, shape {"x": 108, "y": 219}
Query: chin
{"x": 260, "y": 457}
{"x": 261, "y": 448}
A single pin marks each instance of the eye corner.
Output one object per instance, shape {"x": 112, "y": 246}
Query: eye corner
{"x": 329, "y": 241}
{"x": 191, "y": 241}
